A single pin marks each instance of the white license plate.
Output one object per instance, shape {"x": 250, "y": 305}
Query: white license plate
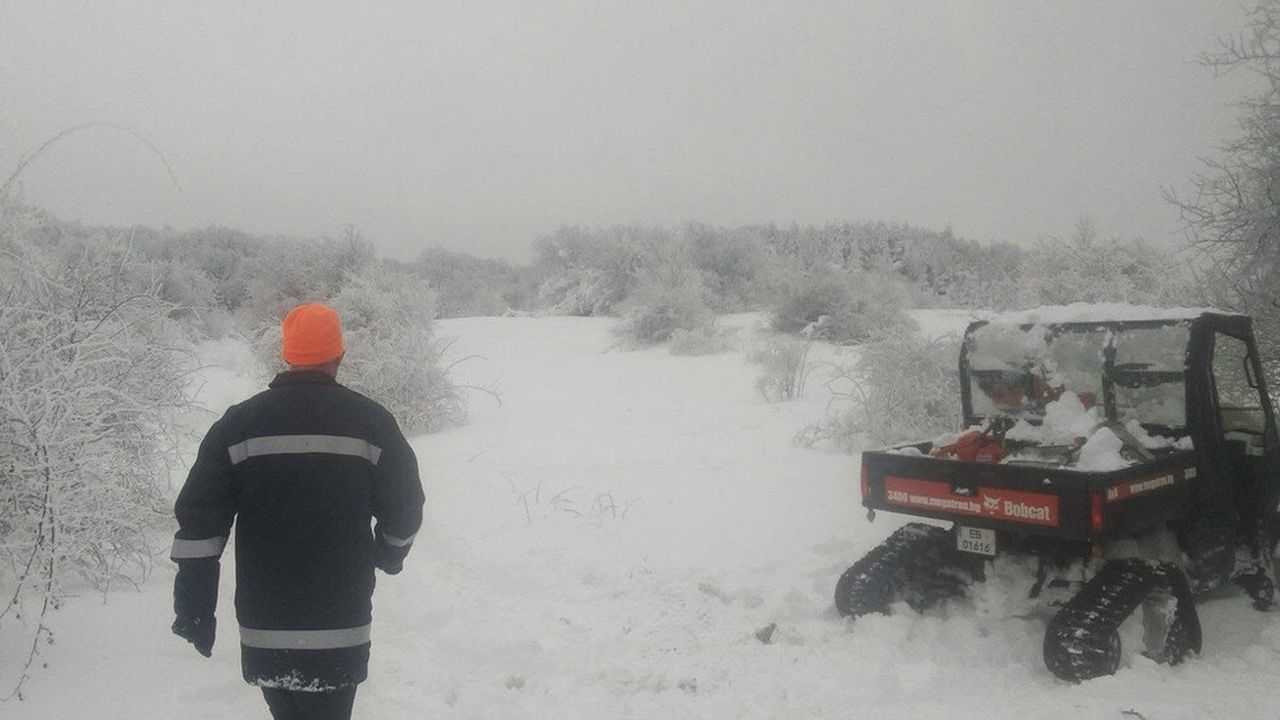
{"x": 979, "y": 541}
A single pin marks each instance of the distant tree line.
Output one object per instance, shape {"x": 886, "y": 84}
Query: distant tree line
{"x": 858, "y": 276}
{"x": 841, "y": 281}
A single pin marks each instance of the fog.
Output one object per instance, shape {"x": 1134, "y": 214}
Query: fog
{"x": 479, "y": 126}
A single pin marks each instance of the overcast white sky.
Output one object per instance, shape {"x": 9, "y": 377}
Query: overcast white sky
{"x": 480, "y": 125}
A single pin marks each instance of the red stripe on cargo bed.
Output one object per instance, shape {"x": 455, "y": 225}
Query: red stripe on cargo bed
{"x": 993, "y": 503}
{"x": 1126, "y": 490}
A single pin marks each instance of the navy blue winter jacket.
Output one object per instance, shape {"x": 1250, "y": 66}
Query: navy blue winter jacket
{"x": 302, "y": 469}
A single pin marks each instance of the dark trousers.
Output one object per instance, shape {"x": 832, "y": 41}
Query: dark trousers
{"x": 292, "y": 705}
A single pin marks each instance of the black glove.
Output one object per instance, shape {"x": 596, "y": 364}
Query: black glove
{"x": 387, "y": 558}
{"x": 197, "y": 631}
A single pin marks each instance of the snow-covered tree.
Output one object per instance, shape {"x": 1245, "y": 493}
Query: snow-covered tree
{"x": 1234, "y": 216}
{"x": 91, "y": 372}
{"x": 1085, "y": 267}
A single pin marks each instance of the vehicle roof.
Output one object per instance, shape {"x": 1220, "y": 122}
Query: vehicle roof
{"x": 1093, "y": 313}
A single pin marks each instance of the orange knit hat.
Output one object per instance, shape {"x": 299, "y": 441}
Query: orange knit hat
{"x": 312, "y": 335}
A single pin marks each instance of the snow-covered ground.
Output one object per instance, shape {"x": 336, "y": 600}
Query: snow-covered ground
{"x": 613, "y": 541}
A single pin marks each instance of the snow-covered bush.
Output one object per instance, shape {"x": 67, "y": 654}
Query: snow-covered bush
{"x": 736, "y": 270}
{"x": 903, "y": 387}
{"x": 288, "y": 273}
{"x": 91, "y": 373}
{"x": 595, "y": 271}
{"x": 785, "y": 367}
{"x": 843, "y": 307}
{"x": 667, "y": 301}
{"x": 582, "y": 292}
{"x": 225, "y": 256}
{"x": 590, "y": 272}
{"x": 392, "y": 354}
{"x": 808, "y": 302}
{"x": 985, "y": 277}
{"x": 705, "y": 340}
{"x": 469, "y": 286}
{"x": 1085, "y": 267}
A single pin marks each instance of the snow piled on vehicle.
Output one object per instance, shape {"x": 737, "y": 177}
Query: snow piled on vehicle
{"x": 1098, "y": 312}
{"x": 1101, "y": 453}
{"x": 1065, "y": 419}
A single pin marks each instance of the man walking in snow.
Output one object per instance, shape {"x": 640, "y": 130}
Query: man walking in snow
{"x": 302, "y": 468}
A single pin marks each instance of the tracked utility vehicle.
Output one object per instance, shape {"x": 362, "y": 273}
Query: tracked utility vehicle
{"x": 1128, "y": 454}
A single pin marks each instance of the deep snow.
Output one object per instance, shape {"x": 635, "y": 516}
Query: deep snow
{"x": 611, "y": 542}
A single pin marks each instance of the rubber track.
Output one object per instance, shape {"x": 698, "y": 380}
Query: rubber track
{"x": 874, "y": 582}
{"x": 1082, "y": 640}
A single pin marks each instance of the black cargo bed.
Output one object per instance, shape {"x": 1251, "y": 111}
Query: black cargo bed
{"x": 1039, "y": 500}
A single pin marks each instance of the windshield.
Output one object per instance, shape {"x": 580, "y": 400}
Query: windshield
{"x": 1016, "y": 371}
{"x": 1149, "y": 373}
